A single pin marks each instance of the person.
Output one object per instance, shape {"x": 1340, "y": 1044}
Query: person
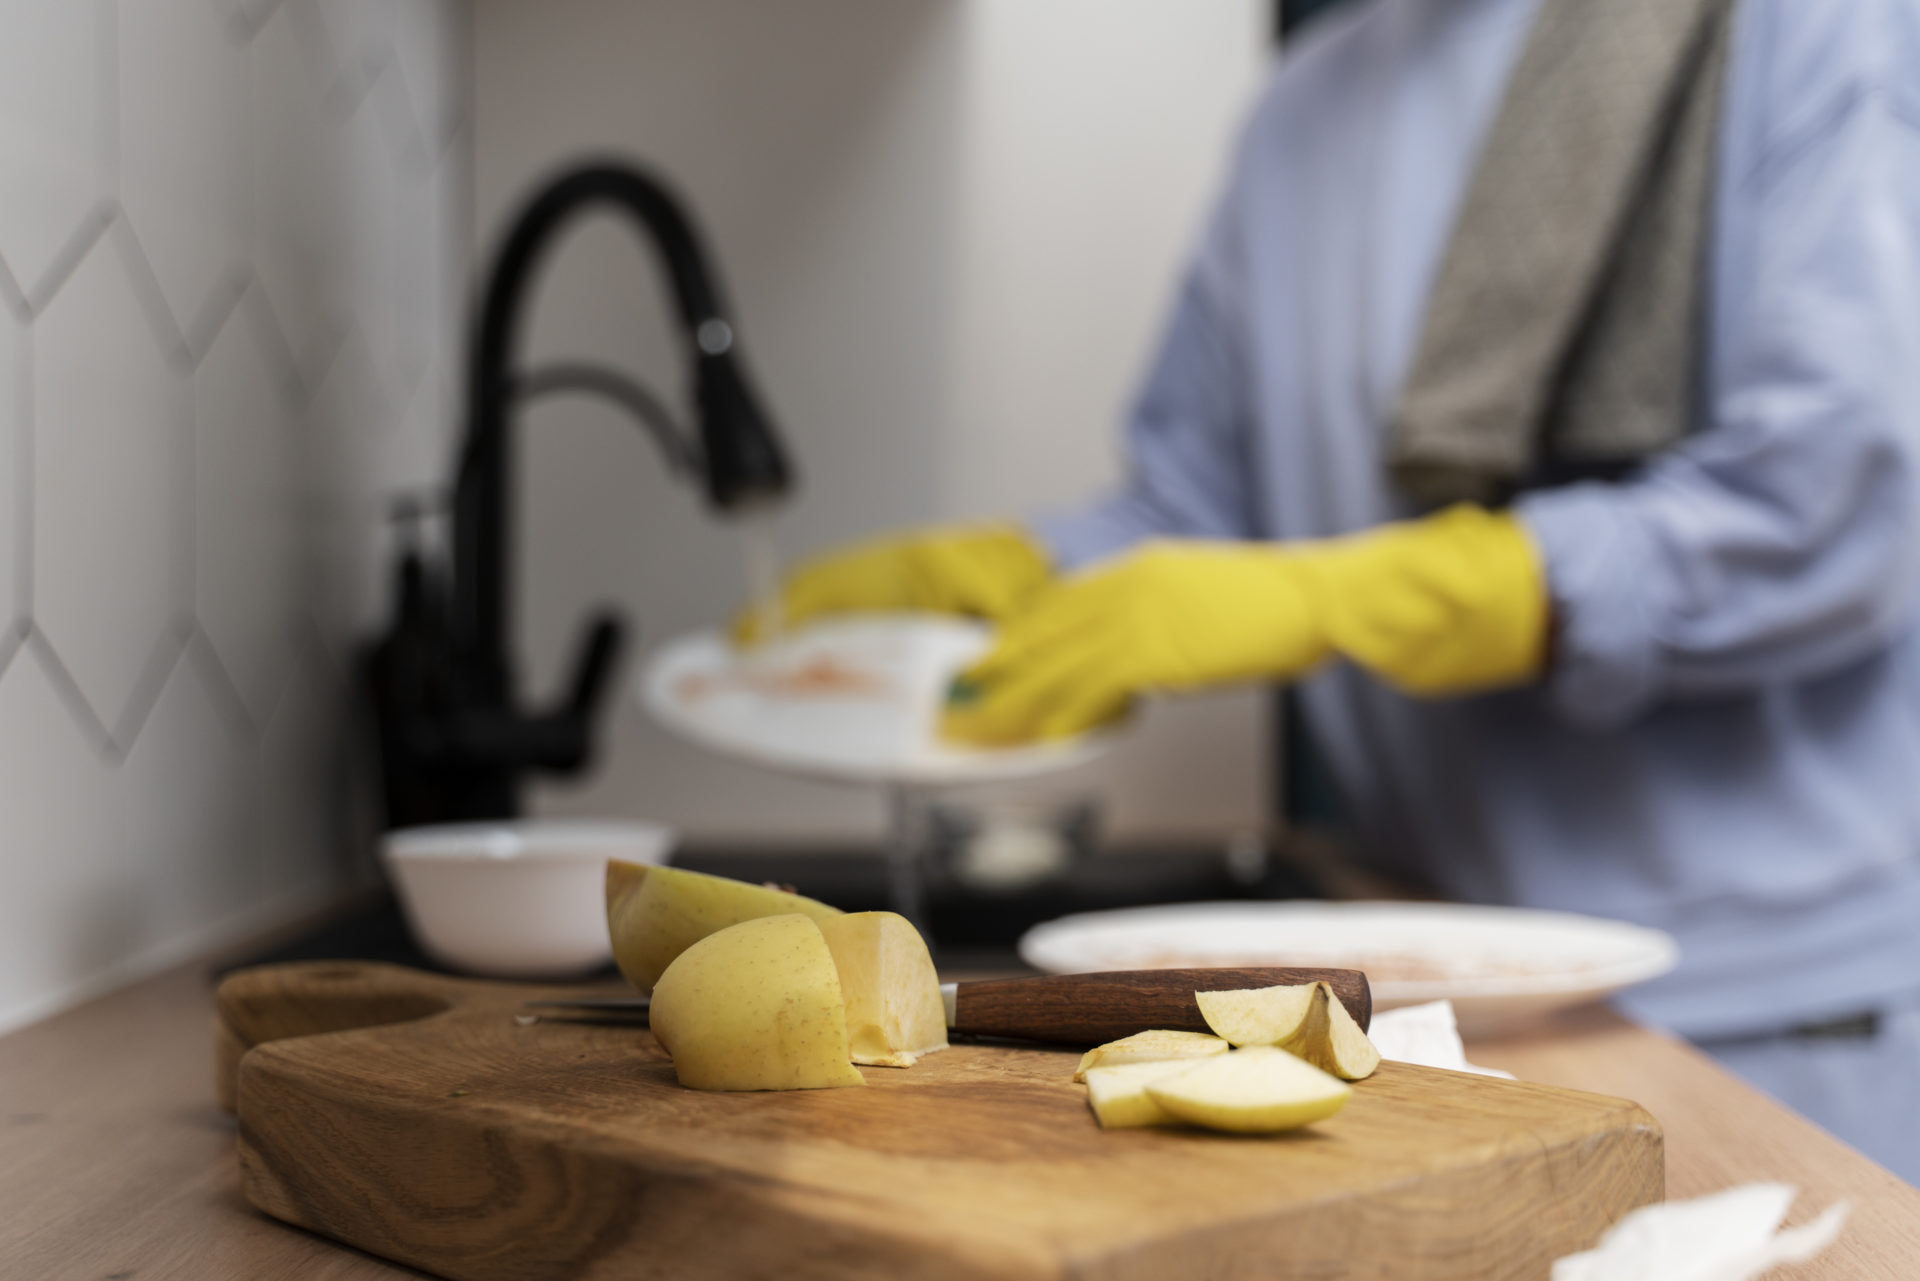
{"x": 1682, "y": 691}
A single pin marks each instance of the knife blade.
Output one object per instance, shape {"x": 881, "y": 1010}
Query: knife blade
{"x": 1070, "y": 1009}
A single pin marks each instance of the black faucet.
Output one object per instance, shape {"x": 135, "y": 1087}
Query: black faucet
{"x": 453, "y": 742}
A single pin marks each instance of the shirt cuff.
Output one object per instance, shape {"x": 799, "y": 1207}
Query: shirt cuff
{"x": 1601, "y": 571}
{"x": 1078, "y": 538}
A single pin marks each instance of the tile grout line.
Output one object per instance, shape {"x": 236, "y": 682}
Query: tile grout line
{"x": 79, "y": 246}
{"x": 110, "y": 118}
{"x": 152, "y": 298}
{"x": 69, "y": 692}
{"x": 162, "y": 661}
{"x": 205, "y": 658}
{"x": 26, "y": 487}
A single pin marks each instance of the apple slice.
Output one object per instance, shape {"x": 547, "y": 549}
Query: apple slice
{"x": 894, "y": 1011}
{"x": 1257, "y": 1015}
{"x": 1119, "y": 1095}
{"x": 656, "y": 913}
{"x": 756, "y": 1006}
{"x": 1330, "y": 1039}
{"x": 1306, "y": 1019}
{"x": 1258, "y": 1090}
{"x": 1157, "y": 1046}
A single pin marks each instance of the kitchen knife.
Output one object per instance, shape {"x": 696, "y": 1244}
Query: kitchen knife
{"x": 1075, "y": 1009}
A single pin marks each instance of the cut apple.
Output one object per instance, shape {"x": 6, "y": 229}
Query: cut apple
{"x": 755, "y": 1006}
{"x": 1306, "y": 1019}
{"x": 1157, "y": 1046}
{"x": 1331, "y": 1040}
{"x": 894, "y": 1010}
{"x": 1119, "y": 1095}
{"x": 1256, "y": 1016}
{"x": 656, "y": 913}
{"x": 1258, "y": 1090}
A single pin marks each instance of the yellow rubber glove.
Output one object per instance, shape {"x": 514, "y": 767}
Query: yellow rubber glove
{"x": 1452, "y": 603}
{"x": 983, "y": 571}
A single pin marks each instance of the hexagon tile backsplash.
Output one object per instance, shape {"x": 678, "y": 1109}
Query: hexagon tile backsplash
{"x": 231, "y": 273}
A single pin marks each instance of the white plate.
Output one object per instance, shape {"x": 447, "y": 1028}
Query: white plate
{"x": 852, "y": 699}
{"x": 1496, "y": 964}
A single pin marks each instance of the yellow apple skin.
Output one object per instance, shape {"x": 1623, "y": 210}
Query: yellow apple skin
{"x": 755, "y": 1006}
{"x": 1119, "y": 1098}
{"x": 1306, "y": 1019}
{"x": 894, "y": 1010}
{"x": 656, "y": 913}
{"x": 1157, "y": 1046}
{"x": 1331, "y": 1041}
{"x": 1258, "y": 1090}
{"x": 1256, "y": 1015}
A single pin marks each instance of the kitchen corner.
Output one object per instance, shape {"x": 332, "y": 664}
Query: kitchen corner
{"x": 1431, "y": 805}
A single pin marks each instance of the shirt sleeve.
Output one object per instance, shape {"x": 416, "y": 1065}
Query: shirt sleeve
{"x": 1782, "y": 541}
{"x": 1188, "y": 430}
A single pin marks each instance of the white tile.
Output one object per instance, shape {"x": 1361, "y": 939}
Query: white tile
{"x": 361, "y": 34}
{"x": 301, "y": 216}
{"x": 189, "y": 794}
{"x": 247, "y": 562}
{"x": 55, "y": 135}
{"x": 243, "y": 18}
{"x": 183, "y": 149}
{"x": 429, "y": 54}
{"x": 397, "y": 277}
{"x": 68, "y": 909}
{"x": 372, "y": 191}
{"x": 110, "y": 455}
{"x": 14, "y": 355}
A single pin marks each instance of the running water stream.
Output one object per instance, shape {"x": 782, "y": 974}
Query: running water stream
{"x": 762, "y": 556}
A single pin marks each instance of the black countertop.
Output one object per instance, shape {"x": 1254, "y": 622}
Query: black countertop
{"x": 966, "y": 929}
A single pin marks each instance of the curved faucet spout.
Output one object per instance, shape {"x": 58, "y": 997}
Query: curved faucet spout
{"x": 744, "y": 464}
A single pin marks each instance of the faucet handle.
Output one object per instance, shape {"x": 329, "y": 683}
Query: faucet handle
{"x": 593, "y": 663}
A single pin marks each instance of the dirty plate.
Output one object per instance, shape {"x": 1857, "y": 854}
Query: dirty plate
{"x": 1497, "y": 965}
{"x": 852, "y": 700}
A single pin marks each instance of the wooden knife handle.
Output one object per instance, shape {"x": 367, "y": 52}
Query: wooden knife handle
{"x": 1088, "y": 1009}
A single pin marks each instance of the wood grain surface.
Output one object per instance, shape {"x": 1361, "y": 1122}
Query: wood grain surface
{"x": 114, "y": 1159}
{"x": 480, "y": 1147}
{"x": 1090, "y": 1009}
{"x": 1721, "y": 1132}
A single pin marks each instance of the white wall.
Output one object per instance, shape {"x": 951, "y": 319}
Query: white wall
{"x": 949, "y": 227}
{"x": 230, "y": 264}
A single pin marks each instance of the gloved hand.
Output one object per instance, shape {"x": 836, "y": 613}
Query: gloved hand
{"x": 983, "y": 571}
{"x": 1452, "y": 603}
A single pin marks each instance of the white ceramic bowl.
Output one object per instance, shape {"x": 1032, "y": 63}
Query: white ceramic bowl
{"x": 522, "y": 900}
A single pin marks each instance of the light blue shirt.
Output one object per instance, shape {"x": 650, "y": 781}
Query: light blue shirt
{"x": 1728, "y": 746}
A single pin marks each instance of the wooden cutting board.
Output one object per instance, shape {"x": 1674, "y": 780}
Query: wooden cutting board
{"x": 422, "y": 1119}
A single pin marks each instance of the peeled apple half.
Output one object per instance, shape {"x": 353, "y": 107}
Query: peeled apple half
{"x": 656, "y": 913}
{"x": 755, "y": 1006}
{"x": 894, "y": 1010}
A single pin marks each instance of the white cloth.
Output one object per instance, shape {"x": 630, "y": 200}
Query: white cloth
{"x": 1425, "y": 1034}
{"x": 1729, "y": 1236}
